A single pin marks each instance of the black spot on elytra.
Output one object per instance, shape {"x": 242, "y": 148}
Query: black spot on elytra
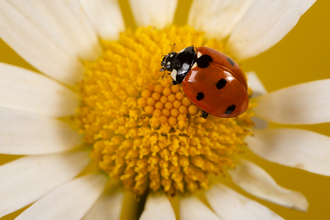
{"x": 230, "y": 109}
{"x": 205, "y": 58}
{"x": 202, "y": 64}
{"x": 200, "y": 96}
{"x": 221, "y": 83}
{"x": 204, "y": 61}
{"x": 231, "y": 61}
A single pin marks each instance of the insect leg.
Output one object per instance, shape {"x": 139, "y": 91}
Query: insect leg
{"x": 204, "y": 114}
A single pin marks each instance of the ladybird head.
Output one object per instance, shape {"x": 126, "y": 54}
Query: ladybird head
{"x": 179, "y": 64}
{"x": 168, "y": 61}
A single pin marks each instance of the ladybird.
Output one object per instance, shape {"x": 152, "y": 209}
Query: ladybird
{"x": 210, "y": 79}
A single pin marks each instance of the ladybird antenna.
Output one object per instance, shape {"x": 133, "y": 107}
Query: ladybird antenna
{"x": 173, "y": 48}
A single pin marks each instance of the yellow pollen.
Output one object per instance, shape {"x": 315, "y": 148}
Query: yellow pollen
{"x": 144, "y": 131}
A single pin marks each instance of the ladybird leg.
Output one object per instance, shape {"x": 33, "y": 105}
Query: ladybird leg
{"x": 174, "y": 82}
{"x": 204, "y": 114}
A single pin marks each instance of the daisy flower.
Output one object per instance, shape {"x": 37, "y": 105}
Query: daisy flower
{"x": 98, "y": 122}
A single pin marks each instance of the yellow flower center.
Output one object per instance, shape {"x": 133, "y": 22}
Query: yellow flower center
{"x": 144, "y": 131}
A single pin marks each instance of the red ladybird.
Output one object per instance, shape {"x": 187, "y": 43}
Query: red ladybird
{"x": 210, "y": 79}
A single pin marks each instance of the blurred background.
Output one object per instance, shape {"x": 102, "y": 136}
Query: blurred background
{"x": 301, "y": 56}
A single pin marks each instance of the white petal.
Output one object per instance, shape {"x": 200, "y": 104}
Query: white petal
{"x": 68, "y": 18}
{"x": 258, "y": 89}
{"x": 157, "y": 207}
{"x": 25, "y": 133}
{"x": 69, "y": 201}
{"x": 25, "y": 29}
{"x": 255, "y": 84}
{"x": 157, "y": 13}
{"x": 25, "y": 180}
{"x": 217, "y": 18}
{"x": 229, "y": 205}
{"x": 25, "y": 90}
{"x": 193, "y": 209}
{"x": 259, "y": 123}
{"x": 297, "y": 148}
{"x": 258, "y": 182}
{"x": 265, "y": 23}
{"x": 106, "y": 207}
{"x": 306, "y": 103}
{"x": 105, "y": 16}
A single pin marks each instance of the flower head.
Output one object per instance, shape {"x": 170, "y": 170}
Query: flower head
{"x": 145, "y": 132}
